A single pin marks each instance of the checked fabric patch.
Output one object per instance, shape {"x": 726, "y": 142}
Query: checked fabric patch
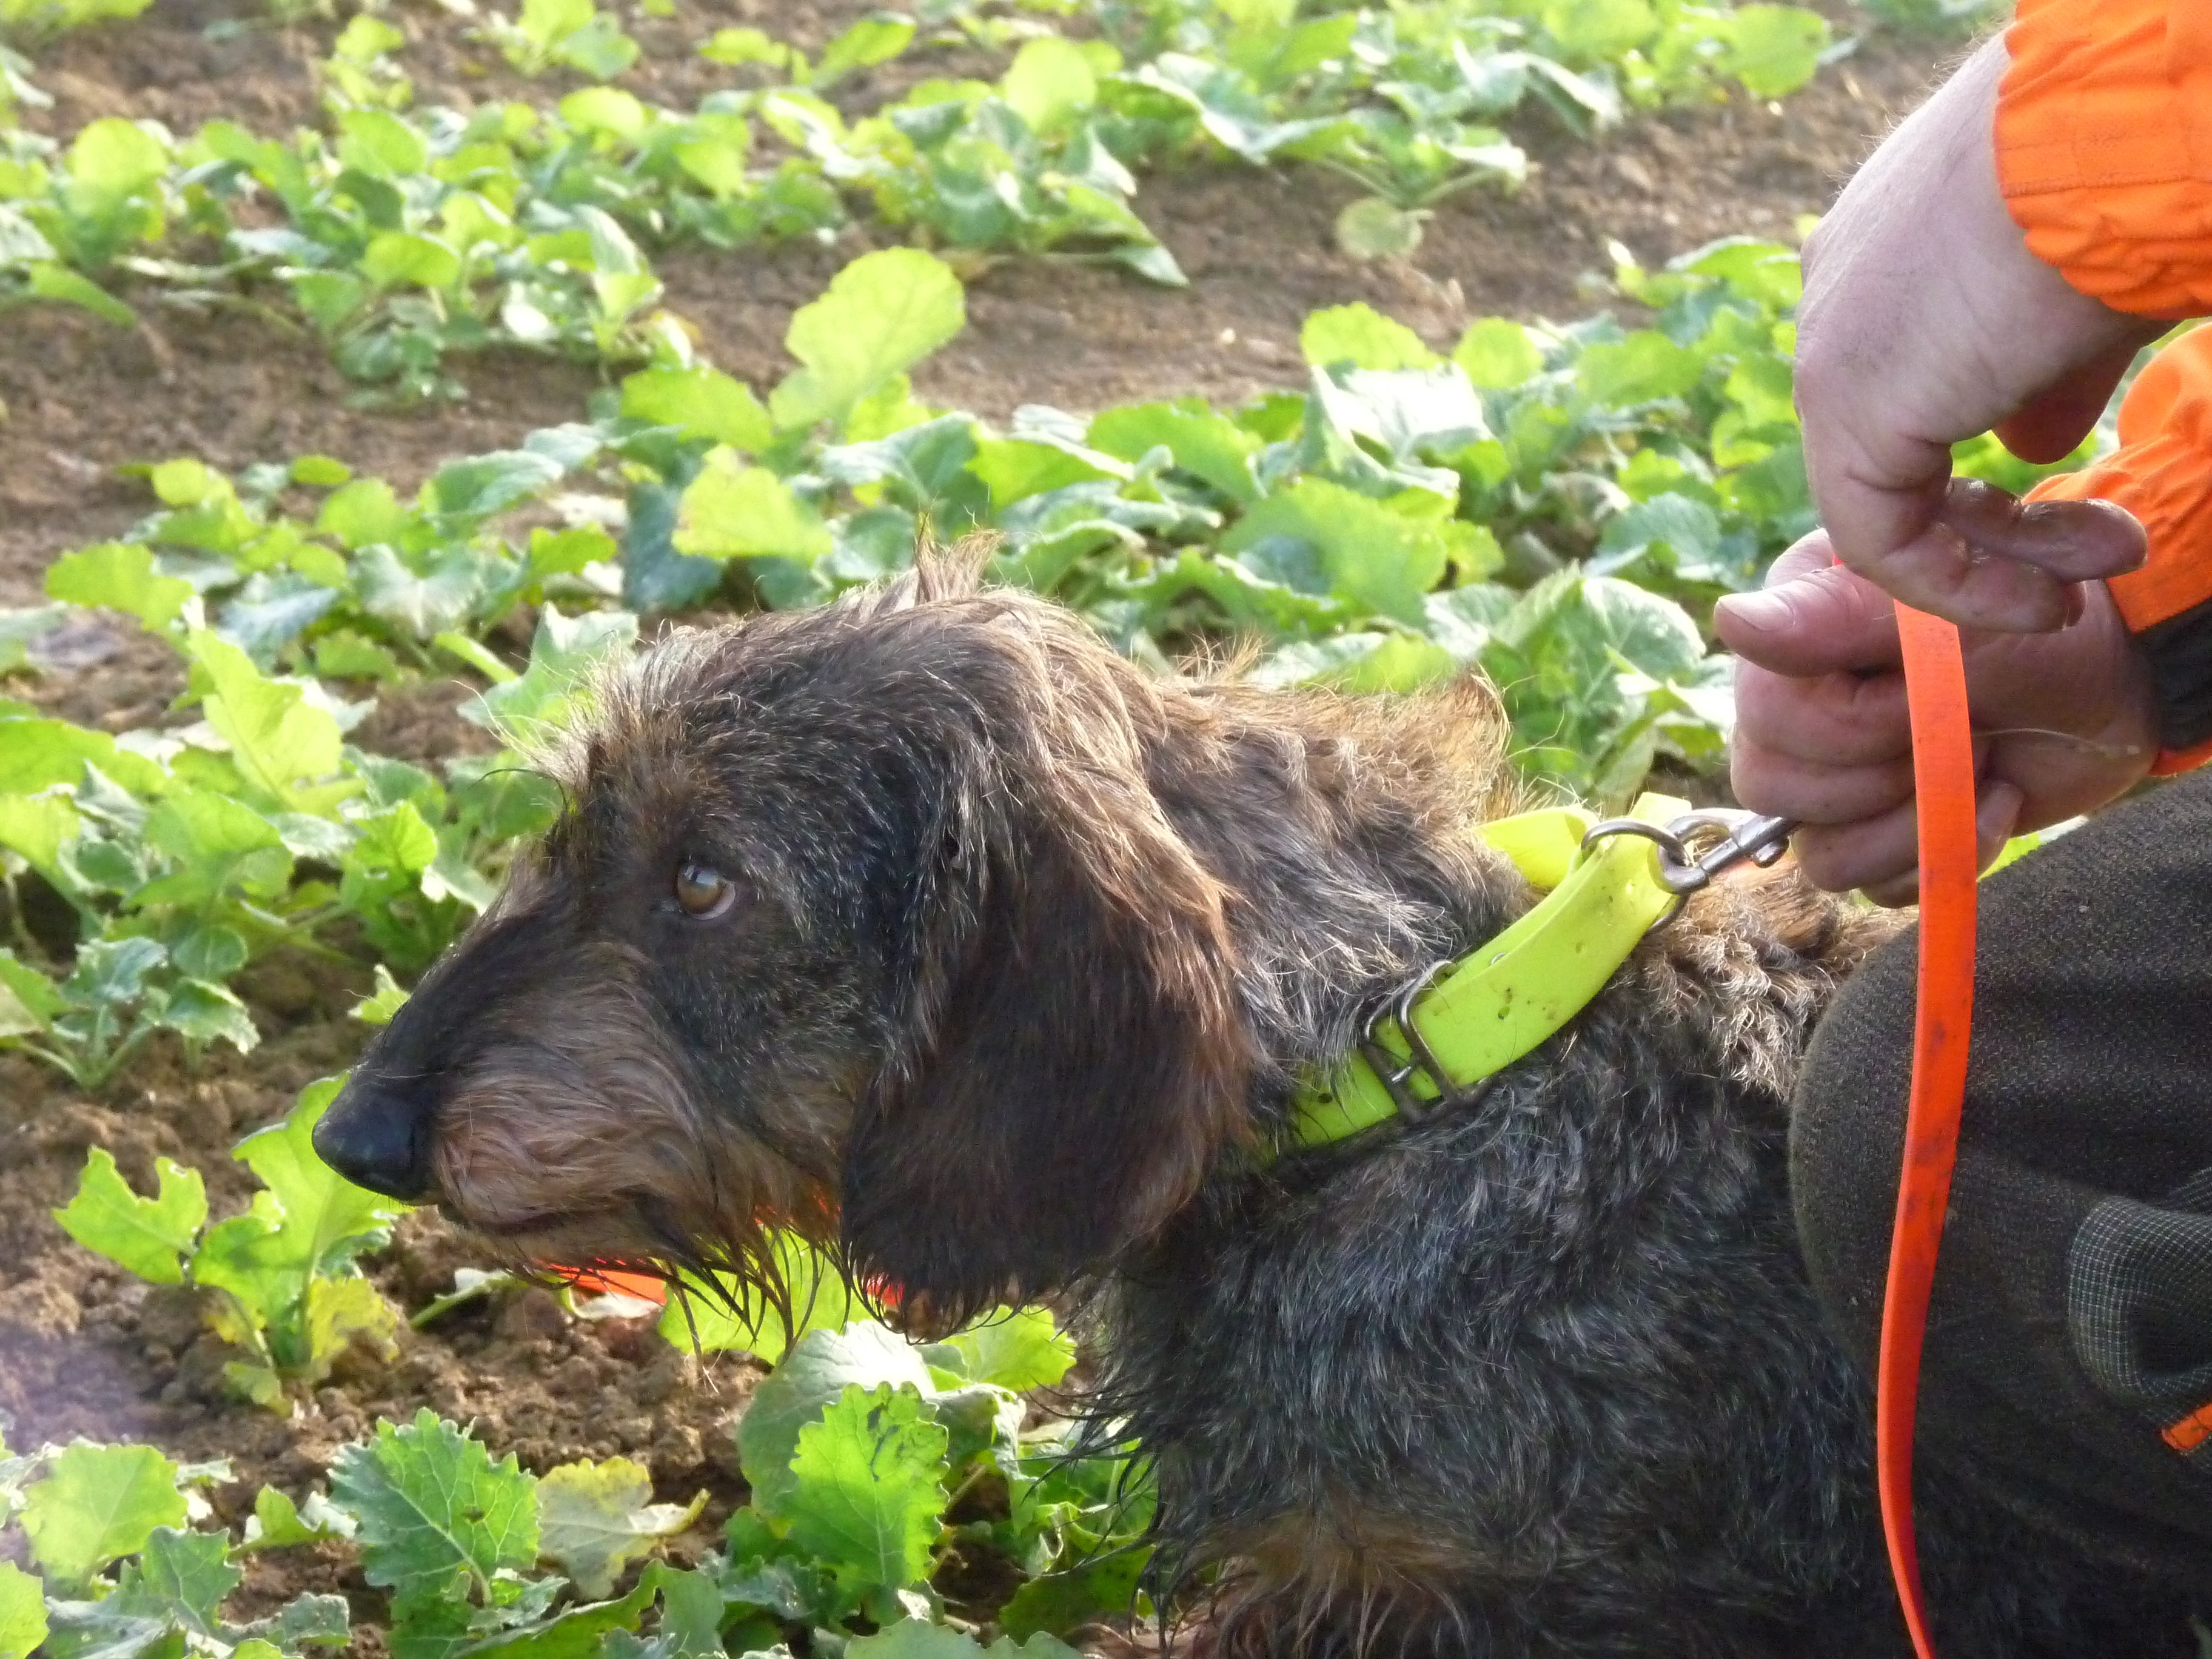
{"x": 2139, "y": 1310}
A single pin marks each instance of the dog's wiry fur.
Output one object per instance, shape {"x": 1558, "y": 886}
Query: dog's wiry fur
{"x": 1029, "y": 952}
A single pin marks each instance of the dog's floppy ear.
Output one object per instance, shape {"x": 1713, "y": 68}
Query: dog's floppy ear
{"x": 1080, "y": 1056}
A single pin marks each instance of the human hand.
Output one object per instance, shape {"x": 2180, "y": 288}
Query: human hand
{"x": 1925, "y": 320}
{"x": 2065, "y": 720}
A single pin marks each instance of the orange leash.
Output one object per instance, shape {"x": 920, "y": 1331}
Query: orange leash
{"x": 1943, "y": 782}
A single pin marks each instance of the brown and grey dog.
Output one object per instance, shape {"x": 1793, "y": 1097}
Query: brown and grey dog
{"x": 926, "y": 925}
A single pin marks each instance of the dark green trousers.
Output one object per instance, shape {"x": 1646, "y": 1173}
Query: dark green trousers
{"x": 2068, "y": 1364}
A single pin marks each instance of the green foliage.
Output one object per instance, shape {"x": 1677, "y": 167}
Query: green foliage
{"x": 594, "y": 1519}
{"x": 96, "y": 1505}
{"x": 22, "y": 1612}
{"x": 733, "y": 1314}
{"x": 405, "y": 236}
{"x": 148, "y": 1237}
{"x": 867, "y": 1488}
{"x": 567, "y": 34}
{"x": 278, "y": 1282}
{"x": 438, "y": 1519}
{"x": 32, "y": 19}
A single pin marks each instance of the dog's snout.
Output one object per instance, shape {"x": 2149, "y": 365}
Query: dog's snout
{"x": 377, "y": 1135}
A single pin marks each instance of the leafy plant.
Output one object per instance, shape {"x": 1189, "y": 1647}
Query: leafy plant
{"x": 278, "y": 1282}
{"x": 119, "y": 1572}
{"x": 565, "y": 34}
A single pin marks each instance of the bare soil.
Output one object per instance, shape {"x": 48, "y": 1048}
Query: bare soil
{"x": 83, "y": 1350}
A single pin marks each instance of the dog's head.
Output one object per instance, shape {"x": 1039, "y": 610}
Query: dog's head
{"x": 864, "y": 921}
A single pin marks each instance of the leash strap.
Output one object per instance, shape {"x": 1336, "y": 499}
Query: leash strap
{"x": 1943, "y": 783}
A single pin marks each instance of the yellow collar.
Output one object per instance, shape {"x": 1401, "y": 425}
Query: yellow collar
{"x": 1470, "y": 1019}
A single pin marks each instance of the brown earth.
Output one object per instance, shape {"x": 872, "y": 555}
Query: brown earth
{"x": 82, "y": 1349}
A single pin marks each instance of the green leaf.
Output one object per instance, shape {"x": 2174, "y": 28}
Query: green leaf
{"x": 1050, "y": 83}
{"x": 701, "y": 403}
{"x": 276, "y": 736}
{"x": 737, "y": 47}
{"x": 341, "y": 1311}
{"x": 736, "y": 1315}
{"x": 29, "y": 999}
{"x": 380, "y": 1004}
{"x": 362, "y": 512}
{"x": 435, "y": 1512}
{"x": 400, "y": 258}
{"x": 327, "y": 1219}
{"x": 916, "y": 1638}
{"x": 1381, "y": 559}
{"x": 1774, "y": 50}
{"x": 221, "y": 847}
{"x": 875, "y": 38}
{"x": 1363, "y": 336}
{"x": 1376, "y": 228}
{"x": 201, "y": 1010}
{"x": 1596, "y": 30}
{"x": 98, "y": 1504}
{"x": 474, "y": 489}
{"x": 868, "y": 1487}
{"x": 817, "y": 1370}
{"x": 38, "y": 754}
{"x": 120, "y": 576}
{"x": 594, "y": 1519}
{"x": 563, "y": 656}
{"x": 111, "y": 160}
{"x": 278, "y": 1524}
{"x": 37, "y": 827}
{"x": 1644, "y": 367}
{"x": 1497, "y": 354}
{"x": 395, "y": 839}
{"x": 882, "y": 315}
{"x": 58, "y": 282}
{"x": 148, "y": 1236}
{"x": 380, "y": 144}
{"x": 732, "y": 510}
{"x": 181, "y": 1580}
{"x": 22, "y": 1612}
{"x": 1107, "y": 1586}
{"x": 1020, "y": 1350}
{"x": 1204, "y": 444}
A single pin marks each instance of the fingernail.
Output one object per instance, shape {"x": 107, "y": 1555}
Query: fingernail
{"x": 1761, "y": 612}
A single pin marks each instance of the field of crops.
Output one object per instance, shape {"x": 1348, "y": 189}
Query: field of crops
{"x": 368, "y": 376}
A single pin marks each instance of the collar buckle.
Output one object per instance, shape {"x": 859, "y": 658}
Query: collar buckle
{"x": 1397, "y": 1075}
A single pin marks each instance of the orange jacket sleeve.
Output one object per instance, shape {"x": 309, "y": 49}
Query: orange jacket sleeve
{"x": 2162, "y": 473}
{"x": 2104, "y": 146}
{"x": 2104, "y": 139}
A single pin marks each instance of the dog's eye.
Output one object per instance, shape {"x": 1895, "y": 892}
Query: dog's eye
{"x": 704, "y": 891}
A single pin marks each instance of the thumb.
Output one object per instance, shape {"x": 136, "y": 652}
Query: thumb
{"x": 1819, "y": 623}
{"x": 2049, "y": 425}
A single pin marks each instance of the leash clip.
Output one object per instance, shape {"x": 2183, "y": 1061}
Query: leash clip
{"x": 1397, "y": 1075}
{"x": 1729, "y": 836}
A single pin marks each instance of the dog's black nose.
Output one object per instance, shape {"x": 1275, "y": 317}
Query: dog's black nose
{"x": 378, "y": 1136}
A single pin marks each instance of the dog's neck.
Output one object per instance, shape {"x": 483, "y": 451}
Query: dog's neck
{"x": 1349, "y": 854}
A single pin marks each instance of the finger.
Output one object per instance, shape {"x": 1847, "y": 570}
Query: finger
{"x": 1996, "y": 813}
{"x": 1842, "y": 720}
{"x": 1937, "y": 571}
{"x": 2074, "y": 541}
{"x": 1802, "y": 557}
{"x": 2048, "y": 428}
{"x": 1874, "y": 854}
{"x": 1828, "y": 621}
{"x": 1812, "y": 792}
